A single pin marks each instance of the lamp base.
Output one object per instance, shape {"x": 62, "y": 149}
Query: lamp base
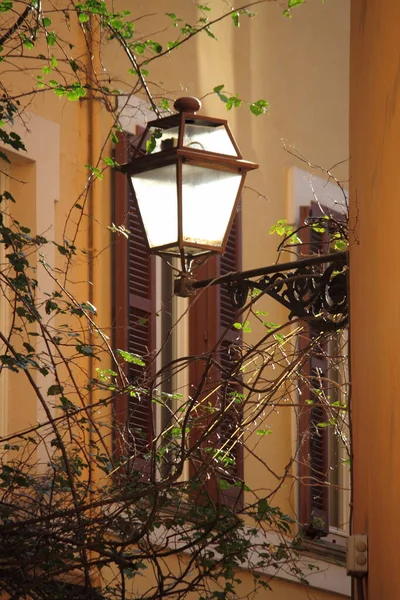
{"x": 183, "y": 285}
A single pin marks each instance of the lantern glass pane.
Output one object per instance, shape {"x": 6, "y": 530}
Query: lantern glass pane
{"x": 208, "y": 138}
{"x": 156, "y": 195}
{"x": 162, "y": 139}
{"x": 208, "y": 199}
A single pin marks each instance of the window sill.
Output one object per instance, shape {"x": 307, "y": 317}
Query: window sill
{"x": 325, "y": 549}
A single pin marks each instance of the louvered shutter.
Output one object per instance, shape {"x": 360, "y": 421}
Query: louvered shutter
{"x": 211, "y": 315}
{"x": 229, "y": 353}
{"x": 202, "y": 338}
{"x": 134, "y": 310}
{"x": 313, "y": 439}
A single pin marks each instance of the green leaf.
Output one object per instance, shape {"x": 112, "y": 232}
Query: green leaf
{"x": 291, "y": 4}
{"x": 259, "y": 107}
{"x": 210, "y": 33}
{"x": 151, "y": 143}
{"x": 95, "y": 171}
{"x": 50, "y": 306}
{"x": 62, "y": 250}
{"x": 171, "y": 45}
{"x": 110, "y": 162}
{"x": 66, "y": 404}
{"x": 75, "y": 92}
{"x": 85, "y": 349}
{"x": 283, "y": 228}
{"x": 5, "y": 6}
{"x": 235, "y": 17}
{"x": 51, "y": 38}
{"x": 279, "y": 338}
{"x": 340, "y": 244}
{"x": 164, "y": 104}
{"x": 233, "y": 102}
{"x": 317, "y": 228}
{"x": 105, "y": 373}
{"x": 246, "y": 327}
{"x": 53, "y": 61}
{"x": 224, "y": 485}
{"x": 138, "y": 47}
{"x": 54, "y": 390}
{"x": 188, "y": 30}
{"x": 73, "y": 64}
{"x": 116, "y": 24}
{"x": 131, "y": 358}
{"x": 89, "y": 307}
{"x": 46, "y": 22}
{"x": 114, "y": 137}
{"x": 155, "y": 46}
{"x": 143, "y": 72}
{"x": 218, "y": 89}
{"x": 264, "y": 431}
{"x": 28, "y": 44}
{"x": 262, "y": 507}
{"x": 270, "y": 326}
{"x": 83, "y": 17}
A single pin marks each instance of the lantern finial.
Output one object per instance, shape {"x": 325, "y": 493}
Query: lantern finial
{"x": 188, "y": 104}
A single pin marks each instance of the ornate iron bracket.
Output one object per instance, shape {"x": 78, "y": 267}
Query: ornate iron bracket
{"x": 311, "y": 288}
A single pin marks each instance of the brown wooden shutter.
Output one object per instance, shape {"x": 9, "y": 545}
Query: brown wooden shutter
{"x": 230, "y": 428}
{"x": 202, "y": 339}
{"x": 134, "y": 320}
{"x": 211, "y": 315}
{"x": 313, "y": 439}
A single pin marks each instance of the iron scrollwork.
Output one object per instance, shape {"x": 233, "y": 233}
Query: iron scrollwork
{"x": 310, "y": 288}
{"x": 318, "y": 291}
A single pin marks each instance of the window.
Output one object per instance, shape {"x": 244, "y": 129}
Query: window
{"x": 141, "y": 328}
{"x": 323, "y": 464}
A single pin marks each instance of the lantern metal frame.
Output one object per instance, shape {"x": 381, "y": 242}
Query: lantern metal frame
{"x": 179, "y": 155}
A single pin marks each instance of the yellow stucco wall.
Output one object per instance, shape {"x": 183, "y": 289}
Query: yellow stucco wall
{"x": 374, "y": 289}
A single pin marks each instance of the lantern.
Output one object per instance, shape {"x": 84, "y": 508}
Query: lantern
{"x": 188, "y": 183}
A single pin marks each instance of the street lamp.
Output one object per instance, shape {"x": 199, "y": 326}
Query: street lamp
{"x": 187, "y": 187}
{"x": 188, "y": 184}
